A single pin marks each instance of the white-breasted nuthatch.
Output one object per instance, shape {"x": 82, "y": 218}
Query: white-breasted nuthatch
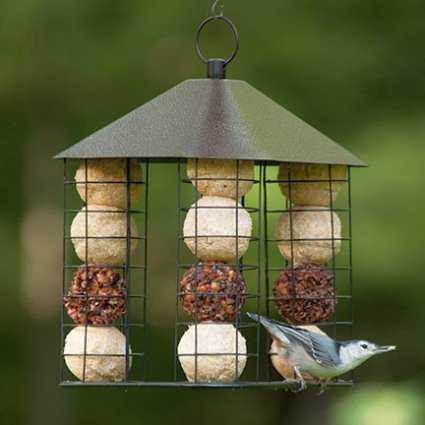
{"x": 317, "y": 354}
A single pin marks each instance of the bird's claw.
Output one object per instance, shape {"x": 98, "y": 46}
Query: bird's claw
{"x": 300, "y": 380}
{"x": 323, "y": 388}
{"x": 301, "y": 385}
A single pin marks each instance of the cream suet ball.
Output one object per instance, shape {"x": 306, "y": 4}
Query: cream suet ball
{"x": 109, "y": 171}
{"x": 109, "y": 224}
{"x": 105, "y": 349}
{"x": 312, "y": 191}
{"x": 210, "y": 229}
{"x": 212, "y": 338}
{"x": 314, "y": 223}
{"x": 220, "y": 177}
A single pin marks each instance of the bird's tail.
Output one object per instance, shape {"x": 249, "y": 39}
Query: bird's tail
{"x": 256, "y": 317}
{"x": 271, "y": 326}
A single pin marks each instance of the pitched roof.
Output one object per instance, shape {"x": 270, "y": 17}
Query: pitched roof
{"x": 217, "y": 119}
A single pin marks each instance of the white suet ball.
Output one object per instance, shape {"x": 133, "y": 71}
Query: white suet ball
{"x": 311, "y": 191}
{"x": 111, "y": 225}
{"x": 215, "y": 170}
{"x": 109, "y": 171}
{"x": 309, "y": 223}
{"x": 210, "y": 229}
{"x": 109, "y": 341}
{"x": 212, "y": 338}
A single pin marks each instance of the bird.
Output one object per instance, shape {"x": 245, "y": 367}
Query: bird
{"x": 312, "y": 353}
{"x": 278, "y": 357}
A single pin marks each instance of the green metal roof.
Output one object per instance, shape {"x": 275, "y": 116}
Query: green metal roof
{"x": 217, "y": 119}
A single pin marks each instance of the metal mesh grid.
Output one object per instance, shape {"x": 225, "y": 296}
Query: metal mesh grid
{"x": 131, "y": 271}
{"x": 258, "y": 267}
{"x": 251, "y": 271}
{"x": 340, "y": 324}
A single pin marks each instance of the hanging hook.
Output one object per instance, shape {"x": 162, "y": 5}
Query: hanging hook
{"x": 216, "y": 67}
{"x": 214, "y": 9}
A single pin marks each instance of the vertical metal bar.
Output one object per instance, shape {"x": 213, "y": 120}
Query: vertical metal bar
{"x": 287, "y": 207}
{"x": 331, "y": 211}
{"x": 259, "y": 269}
{"x": 238, "y": 264}
{"x": 238, "y": 293}
{"x": 291, "y": 233}
{"x": 127, "y": 268}
{"x": 87, "y": 268}
{"x": 64, "y": 261}
{"x": 197, "y": 278}
{"x": 266, "y": 265}
{"x": 178, "y": 241}
{"x": 350, "y": 250}
{"x": 350, "y": 260}
{"x": 145, "y": 267}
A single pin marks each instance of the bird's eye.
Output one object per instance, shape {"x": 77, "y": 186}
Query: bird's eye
{"x": 364, "y": 346}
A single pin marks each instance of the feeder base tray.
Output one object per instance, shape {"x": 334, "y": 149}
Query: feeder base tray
{"x": 272, "y": 385}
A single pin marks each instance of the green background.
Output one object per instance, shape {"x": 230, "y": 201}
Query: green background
{"x": 354, "y": 69}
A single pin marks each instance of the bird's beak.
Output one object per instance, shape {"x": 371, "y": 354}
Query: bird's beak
{"x": 384, "y": 349}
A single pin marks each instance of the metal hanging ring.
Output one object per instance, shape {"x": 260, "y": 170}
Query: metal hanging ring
{"x": 232, "y": 26}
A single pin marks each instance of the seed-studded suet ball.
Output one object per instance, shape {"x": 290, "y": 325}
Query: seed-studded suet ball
{"x": 211, "y": 233}
{"x": 315, "y": 234}
{"x": 212, "y": 338}
{"x": 311, "y": 184}
{"x": 108, "y": 182}
{"x": 305, "y": 295}
{"x": 212, "y": 292}
{"x": 96, "y": 296}
{"x": 105, "y": 349}
{"x": 218, "y": 177}
{"x": 107, "y": 226}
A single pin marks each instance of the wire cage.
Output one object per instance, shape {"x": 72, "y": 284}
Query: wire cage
{"x": 223, "y": 270}
{"x": 105, "y": 266}
{"x": 314, "y": 285}
{"x": 263, "y": 213}
{"x": 213, "y": 292}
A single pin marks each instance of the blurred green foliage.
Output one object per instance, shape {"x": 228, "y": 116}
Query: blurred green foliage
{"x": 354, "y": 69}
{"x": 395, "y": 405}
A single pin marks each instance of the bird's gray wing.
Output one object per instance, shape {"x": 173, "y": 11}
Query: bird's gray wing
{"x": 326, "y": 350}
{"x": 273, "y": 327}
{"x": 322, "y": 348}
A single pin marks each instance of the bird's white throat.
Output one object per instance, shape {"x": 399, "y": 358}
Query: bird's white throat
{"x": 350, "y": 357}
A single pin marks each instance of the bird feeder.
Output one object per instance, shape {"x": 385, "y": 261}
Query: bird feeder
{"x": 268, "y": 232}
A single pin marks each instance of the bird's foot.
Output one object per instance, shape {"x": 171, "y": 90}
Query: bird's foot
{"x": 323, "y": 386}
{"x": 299, "y": 380}
{"x": 295, "y": 385}
{"x": 298, "y": 386}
